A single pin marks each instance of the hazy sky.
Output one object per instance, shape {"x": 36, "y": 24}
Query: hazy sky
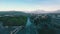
{"x": 29, "y": 5}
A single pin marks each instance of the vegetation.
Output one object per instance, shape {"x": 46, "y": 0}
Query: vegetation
{"x": 46, "y": 31}
{"x": 40, "y": 19}
{"x": 13, "y": 21}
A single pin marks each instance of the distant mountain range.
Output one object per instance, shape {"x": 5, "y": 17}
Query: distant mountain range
{"x": 57, "y": 11}
{"x": 17, "y": 13}
{"x": 42, "y": 12}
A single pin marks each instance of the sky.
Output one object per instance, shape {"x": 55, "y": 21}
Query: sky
{"x": 29, "y": 5}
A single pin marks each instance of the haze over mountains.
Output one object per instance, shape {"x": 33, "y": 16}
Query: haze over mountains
{"x": 42, "y": 11}
{"x": 17, "y": 13}
{"x": 25, "y": 13}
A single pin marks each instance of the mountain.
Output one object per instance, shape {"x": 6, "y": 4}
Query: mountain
{"x": 57, "y": 11}
{"x": 17, "y": 13}
{"x": 40, "y": 12}
{"x": 44, "y": 12}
